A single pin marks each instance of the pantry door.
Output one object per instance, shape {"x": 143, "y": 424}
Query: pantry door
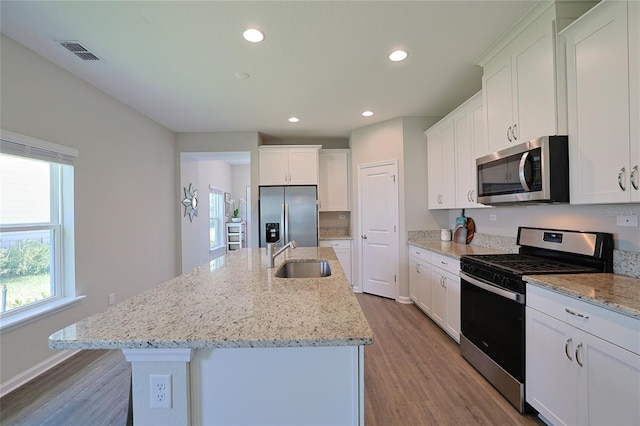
{"x": 378, "y": 206}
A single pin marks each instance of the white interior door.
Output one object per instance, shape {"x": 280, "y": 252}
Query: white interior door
{"x": 378, "y": 200}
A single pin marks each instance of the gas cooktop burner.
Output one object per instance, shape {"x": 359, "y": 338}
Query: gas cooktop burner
{"x": 522, "y": 264}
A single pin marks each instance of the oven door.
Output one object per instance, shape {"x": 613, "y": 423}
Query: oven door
{"x": 492, "y": 318}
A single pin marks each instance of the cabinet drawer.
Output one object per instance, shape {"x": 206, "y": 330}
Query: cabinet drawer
{"x": 336, "y": 244}
{"x": 619, "y": 329}
{"x": 447, "y": 263}
{"x": 420, "y": 253}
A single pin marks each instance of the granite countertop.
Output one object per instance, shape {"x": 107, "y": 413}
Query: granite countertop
{"x": 451, "y": 249}
{"x": 233, "y": 301}
{"x": 619, "y": 293}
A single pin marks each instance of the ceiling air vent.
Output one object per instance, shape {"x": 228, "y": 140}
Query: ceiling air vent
{"x": 79, "y": 50}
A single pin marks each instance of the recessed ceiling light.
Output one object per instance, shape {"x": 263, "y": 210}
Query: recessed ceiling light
{"x": 242, "y": 75}
{"x": 293, "y": 119}
{"x": 253, "y": 35}
{"x": 398, "y": 55}
{"x": 367, "y": 113}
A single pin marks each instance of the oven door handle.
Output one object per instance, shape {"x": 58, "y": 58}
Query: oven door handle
{"x": 511, "y": 295}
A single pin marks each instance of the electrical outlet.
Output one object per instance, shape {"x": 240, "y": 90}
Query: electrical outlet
{"x": 160, "y": 391}
{"x": 493, "y": 217}
{"x": 631, "y": 220}
{"x": 112, "y": 298}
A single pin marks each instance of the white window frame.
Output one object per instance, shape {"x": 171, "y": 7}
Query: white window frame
{"x": 222, "y": 247}
{"x": 62, "y": 224}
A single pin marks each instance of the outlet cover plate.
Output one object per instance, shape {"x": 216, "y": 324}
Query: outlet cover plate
{"x": 160, "y": 391}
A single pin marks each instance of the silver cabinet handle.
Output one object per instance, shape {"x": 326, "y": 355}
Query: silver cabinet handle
{"x": 514, "y": 132}
{"x": 634, "y": 172}
{"x": 473, "y": 195}
{"x": 509, "y": 134}
{"x": 566, "y": 349}
{"x": 417, "y": 267}
{"x": 364, "y": 236}
{"x": 576, "y": 314}
{"x": 620, "y": 184}
{"x": 577, "y": 352}
{"x": 443, "y": 262}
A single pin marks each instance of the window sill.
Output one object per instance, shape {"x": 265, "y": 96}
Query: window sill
{"x": 36, "y": 313}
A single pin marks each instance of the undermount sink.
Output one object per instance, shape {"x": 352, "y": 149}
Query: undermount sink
{"x": 304, "y": 268}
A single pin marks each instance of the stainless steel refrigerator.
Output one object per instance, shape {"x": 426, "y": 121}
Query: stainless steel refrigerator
{"x": 289, "y": 213}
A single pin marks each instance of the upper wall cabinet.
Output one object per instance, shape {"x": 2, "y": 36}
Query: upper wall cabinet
{"x": 441, "y": 164}
{"x": 520, "y": 87}
{"x": 453, "y": 144}
{"x": 470, "y": 142}
{"x": 333, "y": 188}
{"x": 289, "y": 165}
{"x": 602, "y": 85}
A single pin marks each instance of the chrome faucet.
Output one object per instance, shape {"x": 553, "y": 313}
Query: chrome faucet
{"x": 272, "y": 256}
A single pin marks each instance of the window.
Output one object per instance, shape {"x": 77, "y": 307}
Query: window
{"x": 216, "y": 219}
{"x": 36, "y": 227}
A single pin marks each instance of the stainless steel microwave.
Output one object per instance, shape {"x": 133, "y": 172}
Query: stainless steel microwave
{"x": 532, "y": 172}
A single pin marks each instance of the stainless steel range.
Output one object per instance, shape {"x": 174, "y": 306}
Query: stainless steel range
{"x": 493, "y": 298}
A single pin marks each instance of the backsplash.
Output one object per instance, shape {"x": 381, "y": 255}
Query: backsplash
{"x": 624, "y": 262}
{"x": 335, "y": 224}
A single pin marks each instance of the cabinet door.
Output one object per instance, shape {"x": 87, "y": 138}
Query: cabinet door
{"x": 551, "y": 384}
{"x": 344, "y": 256}
{"x": 334, "y": 181}
{"x": 414, "y": 280}
{"x": 498, "y": 102}
{"x": 534, "y": 82}
{"x": 469, "y": 129}
{"x": 274, "y": 166}
{"x": 612, "y": 383}
{"x": 598, "y": 104}
{"x": 438, "y": 296}
{"x": 441, "y": 162}
{"x": 425, "y": 301}
{"x": 452, "y": 287}
{"x": 303, "y": 166}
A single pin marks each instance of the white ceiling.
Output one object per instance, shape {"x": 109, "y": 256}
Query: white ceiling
{"x": 323, "y": 61}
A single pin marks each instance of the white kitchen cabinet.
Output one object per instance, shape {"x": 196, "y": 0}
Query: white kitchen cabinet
{"x": 289, "y": 165}
{"x": 445, "y": 294}
{"x": 343, "y": 252}
{"x": 469, "y": 143}
{"x": 419, "y": 278}
{"x": 434, "y": 285}
{"x": 441, "y": 165}
{"x": 603, "y": 99}
{"x": 582, "y": 361}
{"x": 334, "y": 185}
{"x": 520, "y": 87}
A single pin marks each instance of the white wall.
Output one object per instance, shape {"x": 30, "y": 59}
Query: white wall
{"x": 126, "y": 213}
{"x": 601, "y": 218}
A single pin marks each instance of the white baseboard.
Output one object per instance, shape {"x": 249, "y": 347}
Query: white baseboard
{"x": 35, "y": 371}
{"x": 404, "y": 299}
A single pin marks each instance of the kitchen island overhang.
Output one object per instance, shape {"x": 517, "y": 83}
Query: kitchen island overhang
{"x": 307, "y": 337}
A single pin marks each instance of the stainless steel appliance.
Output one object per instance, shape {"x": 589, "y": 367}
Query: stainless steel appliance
{"x": 289, "y": 213}
{"x": 493, "y": 298}
{"x": 532, "y": 172}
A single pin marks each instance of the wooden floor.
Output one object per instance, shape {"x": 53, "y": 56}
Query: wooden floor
{"x": 414, "y": 375}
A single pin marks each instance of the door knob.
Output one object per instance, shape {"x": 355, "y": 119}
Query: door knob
{"x": 364, "y": 236}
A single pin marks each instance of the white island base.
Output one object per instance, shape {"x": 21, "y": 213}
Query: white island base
{"x": 251, "y": 386}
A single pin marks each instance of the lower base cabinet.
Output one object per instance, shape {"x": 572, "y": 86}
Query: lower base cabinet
{"x": 434, "y": 285}
{"x": 574, "y": 376}
{"x": 343, "y": 252}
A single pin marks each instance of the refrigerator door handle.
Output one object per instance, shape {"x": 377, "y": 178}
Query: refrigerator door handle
{"x": 286, "y": 224}
{"x": 283, "y": 224}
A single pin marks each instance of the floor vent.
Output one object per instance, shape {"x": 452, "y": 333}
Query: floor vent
{"x": 79, "y": 50}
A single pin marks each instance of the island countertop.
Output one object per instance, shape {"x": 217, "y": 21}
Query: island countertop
{"x": 232, "y": 302}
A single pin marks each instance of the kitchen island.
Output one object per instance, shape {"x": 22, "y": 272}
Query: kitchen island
{"x": 239, "y": 345}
